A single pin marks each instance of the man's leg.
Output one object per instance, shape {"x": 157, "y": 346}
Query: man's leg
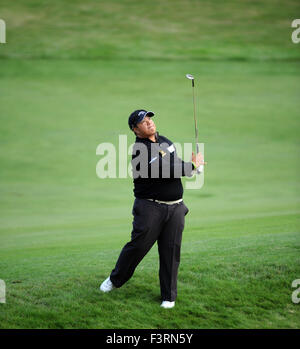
{"x": 147, "y": 224}
{"x": 169, "y": 244}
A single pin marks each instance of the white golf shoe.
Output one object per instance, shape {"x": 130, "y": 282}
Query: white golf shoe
{"x": 107, "y": 285}
{"x": 167, "y": 304}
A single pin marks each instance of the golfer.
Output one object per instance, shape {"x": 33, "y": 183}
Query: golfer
{"x": 158, "y": 210}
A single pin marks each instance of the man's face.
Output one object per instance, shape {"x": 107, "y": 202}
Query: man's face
{"x": 145, "y": 128}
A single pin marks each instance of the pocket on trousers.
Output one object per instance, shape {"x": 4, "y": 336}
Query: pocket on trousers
{"x": 140, "y": 217}
{"x": 186, "y": 210}
{"x": 135, "y": 209}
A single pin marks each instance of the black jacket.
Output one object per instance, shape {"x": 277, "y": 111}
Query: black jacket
{"x": 157, "y": 170}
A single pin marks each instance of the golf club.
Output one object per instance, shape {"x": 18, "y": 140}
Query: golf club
{"x": 191, "y": 77}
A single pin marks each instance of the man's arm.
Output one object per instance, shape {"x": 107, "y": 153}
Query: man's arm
{"x": 154, "y": 161}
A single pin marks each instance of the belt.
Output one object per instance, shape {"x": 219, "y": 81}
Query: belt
{"x": 166, "y": 202}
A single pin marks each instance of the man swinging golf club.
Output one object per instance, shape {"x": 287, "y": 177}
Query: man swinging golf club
{"x": 158, "y": 210}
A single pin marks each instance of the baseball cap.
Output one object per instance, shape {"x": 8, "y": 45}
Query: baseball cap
{"x": 138, "y": 116}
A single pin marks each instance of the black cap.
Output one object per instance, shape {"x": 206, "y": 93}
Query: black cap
{"x": 138, "y": 116}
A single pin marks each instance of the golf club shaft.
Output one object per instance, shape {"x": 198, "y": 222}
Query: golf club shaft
{"x": 195, "y": 119}
{"x": 191, "y": 77}
{"x": 200, "y": 168}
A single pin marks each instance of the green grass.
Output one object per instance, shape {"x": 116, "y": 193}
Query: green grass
{"x": 70, "y": 76}
{"x": 62, "y": 228}
{"x": 160, "y": 30}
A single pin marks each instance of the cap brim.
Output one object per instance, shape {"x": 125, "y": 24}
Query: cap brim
{"x": 149, "y": 113}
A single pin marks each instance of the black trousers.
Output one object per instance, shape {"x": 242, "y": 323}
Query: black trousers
{"x": 153, "y": 222}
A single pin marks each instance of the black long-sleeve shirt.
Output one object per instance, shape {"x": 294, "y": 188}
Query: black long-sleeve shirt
{"x": 157, "y": 170}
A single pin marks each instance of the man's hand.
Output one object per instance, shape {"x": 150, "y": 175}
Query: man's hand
{"x": 198, "y": 159}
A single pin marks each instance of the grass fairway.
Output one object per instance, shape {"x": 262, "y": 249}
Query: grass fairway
{"x": 69, "y": 79}
{"x": 62, "y": 228}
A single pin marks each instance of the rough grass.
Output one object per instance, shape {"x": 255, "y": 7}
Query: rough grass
{"x": 159, "y": 30}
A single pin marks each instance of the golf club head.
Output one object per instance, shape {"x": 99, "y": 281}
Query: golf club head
{"x": 189, "y": 76}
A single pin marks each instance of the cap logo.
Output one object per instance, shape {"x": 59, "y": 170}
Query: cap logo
{"x": 141, "y": 113}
